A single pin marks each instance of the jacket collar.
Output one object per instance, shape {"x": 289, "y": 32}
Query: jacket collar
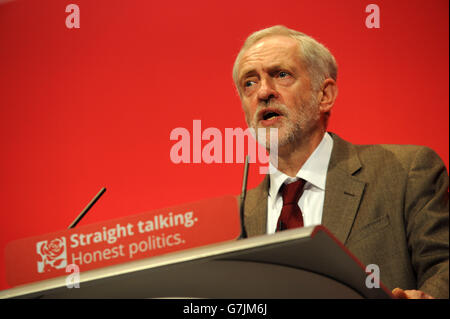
{"x": 343, "y": 193}
{"x": 343, "y": 190}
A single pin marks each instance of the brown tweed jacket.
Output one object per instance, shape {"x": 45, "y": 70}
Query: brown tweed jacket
{"x": 388, "y": 204}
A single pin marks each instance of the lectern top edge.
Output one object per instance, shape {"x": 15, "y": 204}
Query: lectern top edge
{"x": 208, "y": 251}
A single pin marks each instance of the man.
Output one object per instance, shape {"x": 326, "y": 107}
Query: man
{"x": 388, "y": 204}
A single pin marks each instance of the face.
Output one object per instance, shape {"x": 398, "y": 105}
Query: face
{"x": 275, "y": 90}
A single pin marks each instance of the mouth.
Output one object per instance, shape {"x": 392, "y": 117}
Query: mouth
{"x": 269, "y": 116}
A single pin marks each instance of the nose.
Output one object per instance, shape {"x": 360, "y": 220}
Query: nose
{"x": 266, "y": 91}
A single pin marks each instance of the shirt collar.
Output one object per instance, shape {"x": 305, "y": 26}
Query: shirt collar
{"x": 313, "y": 171}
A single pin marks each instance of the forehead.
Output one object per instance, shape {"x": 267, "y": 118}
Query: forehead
{"x": 274, "y": 50}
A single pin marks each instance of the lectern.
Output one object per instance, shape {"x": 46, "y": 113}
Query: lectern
{"x": 299, "y": 263}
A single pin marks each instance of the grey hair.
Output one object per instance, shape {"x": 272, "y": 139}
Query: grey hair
{"x": 319, "y": 61}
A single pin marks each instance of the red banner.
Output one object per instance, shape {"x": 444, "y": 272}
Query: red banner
{"x": 122, "y": 240}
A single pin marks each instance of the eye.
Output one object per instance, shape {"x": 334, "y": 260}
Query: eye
{"x": 249, "y": 83}
{"x": 283, "y": 74}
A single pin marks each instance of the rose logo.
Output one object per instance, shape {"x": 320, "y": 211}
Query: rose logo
{"x": 53, "y": 250}
{"x": 52, "y": 254}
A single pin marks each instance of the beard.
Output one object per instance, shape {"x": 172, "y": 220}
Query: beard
{"x": 295, "y": 125}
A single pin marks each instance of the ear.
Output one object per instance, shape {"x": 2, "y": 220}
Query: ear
{"x": 327, "y": 95}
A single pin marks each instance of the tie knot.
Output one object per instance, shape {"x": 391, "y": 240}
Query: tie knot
{"x": 292, "y": 192}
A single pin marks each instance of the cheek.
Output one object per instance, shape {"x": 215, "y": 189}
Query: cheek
{"x": 299, "y": 93}
{"x": 300, "y": 100}
{"x": 249, "y": 111}
{"x": 290, "y": 97}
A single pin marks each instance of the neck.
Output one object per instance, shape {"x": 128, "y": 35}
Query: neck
{"x": 293, "y": 156}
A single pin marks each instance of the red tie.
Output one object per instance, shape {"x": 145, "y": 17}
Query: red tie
{"x": 291, "y": 215}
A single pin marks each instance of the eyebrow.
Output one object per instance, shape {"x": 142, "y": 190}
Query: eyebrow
{"x": 247, "y": 73}
{"x": 270, "y": 68}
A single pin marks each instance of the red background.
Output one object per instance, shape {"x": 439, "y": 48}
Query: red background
{"x": 91, "y": 107}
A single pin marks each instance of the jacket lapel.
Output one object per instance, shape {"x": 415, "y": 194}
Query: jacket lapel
{"x": 256, "y": 209}
{"x": 343, "y": 191}
{"x": 343, "y": 194}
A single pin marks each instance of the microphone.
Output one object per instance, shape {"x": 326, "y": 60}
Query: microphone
{"x": 87, "y": 208}
{"x": 242, "y": 198}
{"x": 80, "y": 216}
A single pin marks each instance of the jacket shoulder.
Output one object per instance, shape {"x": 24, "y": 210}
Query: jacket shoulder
{"x": 392, "y": 155}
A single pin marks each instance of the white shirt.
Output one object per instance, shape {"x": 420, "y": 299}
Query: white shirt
{"x": 314, "y": 172}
